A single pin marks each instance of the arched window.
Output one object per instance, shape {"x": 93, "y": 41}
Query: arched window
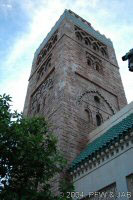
{"x": 103, "y": 51}
{"x": 87, "y": 41}
{"x": 88, "y": 115}
{"x": 97, "y": 67}
{"x": 98, "y": 119}
{"x": 89, "y": 61}
{"x": 91, "y": 38}
{"x": 82, "y": 33}
{"x": 95, "y": 47}
{"x": 48, "y": 64}
{"x": 79, "y": 36}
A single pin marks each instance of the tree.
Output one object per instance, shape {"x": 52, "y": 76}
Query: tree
{"x": 28, "y": 155}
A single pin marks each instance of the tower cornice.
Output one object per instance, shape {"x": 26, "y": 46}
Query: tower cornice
{"x": 78, "y": 21}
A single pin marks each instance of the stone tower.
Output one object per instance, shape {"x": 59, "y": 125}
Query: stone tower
{"x": 75, "y": 82}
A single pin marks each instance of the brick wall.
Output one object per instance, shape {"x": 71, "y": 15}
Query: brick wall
{"x": 66, "y": 89}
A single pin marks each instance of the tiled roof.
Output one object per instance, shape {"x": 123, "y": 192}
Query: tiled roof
{"x": 112, "y": 134}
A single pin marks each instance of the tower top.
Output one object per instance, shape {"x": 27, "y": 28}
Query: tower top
{"x": 78, "y": 21}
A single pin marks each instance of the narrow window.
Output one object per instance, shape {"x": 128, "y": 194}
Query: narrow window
{"x": 82, "y": 33}
{"x": 103, "y": 51}
{"x": 79, "y": 36}
{"x": 89, "y": 62}
{"x": 98, "y": 119}
{"x": 95, "y": 47}
{"x": 87, "y": 41}
{"x": 88, "y": 115}
{"x": 97, "y": 67}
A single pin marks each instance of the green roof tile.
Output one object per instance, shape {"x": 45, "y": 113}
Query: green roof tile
{"x": 111, "y": 134}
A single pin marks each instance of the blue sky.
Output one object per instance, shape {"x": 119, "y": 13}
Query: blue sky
{"x": 24, "y": 25}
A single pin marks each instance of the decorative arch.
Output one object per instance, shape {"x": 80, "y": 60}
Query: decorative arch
{"x": 90, "y": 41}
{"x": 46, "y": 48}
{"x": 87, "y": 41}
{"x": 89, "y": 61}
{"x": 78, "y": 35}
{"x": 99, "y": 119}
{"x": 103, "y": 51}
{"x": 95, "y": 47}
{"x": 96, "y": 92}
{"x": 98, "y": 67}
{"x": 89, "y": 114}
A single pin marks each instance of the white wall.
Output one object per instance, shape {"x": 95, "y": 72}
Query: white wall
{"x": 115, "y": 170}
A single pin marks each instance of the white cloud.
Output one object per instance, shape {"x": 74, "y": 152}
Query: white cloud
{"x": 6, "y": 6}
{"x": 16, "y": 89}
{"x": 25, "y": 45}
{"x": 42, "y": 21}
{"x": 84, "y": 3}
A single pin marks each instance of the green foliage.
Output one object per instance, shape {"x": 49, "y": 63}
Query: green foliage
{"x": 28, "y": 156}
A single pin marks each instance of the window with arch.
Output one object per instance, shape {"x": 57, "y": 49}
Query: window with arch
{"x": 89, "y": 61}
{"x": 79, "y": 36}
{"x": 95, "y": 47}
{"x": 87, "y": 41}
{"x": 44, "y": 68}
{"x": 103, "y": 51}
{"x": 98, "y": 119}
{"x": 47, "y": 47}
{"x": 88, "y": 114}
{"x": 98, "y": 67}
{"x": 48, "y": 64}
{"x": 90, "y": 41}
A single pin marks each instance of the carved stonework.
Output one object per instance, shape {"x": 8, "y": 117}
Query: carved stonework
{"x": 38, "y": 98}
{"x": 94, "y": 62}
{"x": 88, "y": 97}
{"x": 90, "y": 41}
{"x": 44, "y": 68}
{"x": 107, "y": 193}
{"x": 97, "y": 105}
{"x": 47, "y": 47}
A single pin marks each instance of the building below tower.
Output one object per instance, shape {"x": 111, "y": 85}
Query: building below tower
{"x": 104, "y": 169}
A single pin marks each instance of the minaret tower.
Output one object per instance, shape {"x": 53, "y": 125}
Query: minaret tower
{"x": 75, "y": 82}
